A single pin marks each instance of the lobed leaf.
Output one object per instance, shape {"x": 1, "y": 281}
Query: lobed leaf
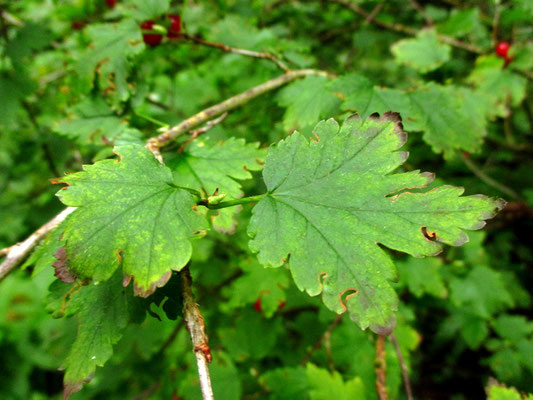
{"x": 130, "y": 213}
{"x": 333, "y": 200}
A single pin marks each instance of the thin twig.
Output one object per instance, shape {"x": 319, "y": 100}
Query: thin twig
{"x": 228, "y": 49}
{"x": 477, "y": 171}
{"x": 18, "y": 252}
{"x": 156, "y": 142}
{"x": 381, "y": 369}
{"x": 197, "y": 132}
{"x": 195, "y": 323}
{"x": 422, "y": 12}
{"x": 405, "y": 29}
{"x": 323, "y": 338}
{"x": 403, "y": 366}
{"x": 373, "y": 13}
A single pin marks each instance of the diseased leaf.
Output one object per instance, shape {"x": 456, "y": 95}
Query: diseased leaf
{"x": 207, "y": 165}
{"x": 424, "y": 52}
{"x": 448, "y": 118}
{"x": 130, "y": 213}
{"x": 93, "y": 121}
{"x": 110, "y": 50}
{"x": 330, "y": 202}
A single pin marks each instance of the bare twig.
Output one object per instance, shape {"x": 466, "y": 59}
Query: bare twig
{"x": 197, "y": 132}
{"x": 381, "y": 369}
{"x": 374, "y": 12}
{"x": 405, "y": 29}
{"x": 403, "y": 366}
{"x": 324, "y": 338}
{"x": 422, "y": 12}
{"x": 477, "y": 171}
{"x": 156, "y": 142}
{"x": 18, "y": 252}
{"x": 196, "y": 326}
{"x": 249, "y": 53}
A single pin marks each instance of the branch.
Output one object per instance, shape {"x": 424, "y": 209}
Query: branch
{"x": 196, "y": 326}
{"x": 404, "y": 29}
{"x": 477, "y": 171}
{"x": 324, "y": 338}
{"x": 197, "y": 132}
{"x": 156, "y": 142}
{"x": 223, "y": 47}
{"x": 422, "y": 12}
{"x": 381, "y": 369}
{"x": 15, "y": 254}
{"x": 405, "y": 374}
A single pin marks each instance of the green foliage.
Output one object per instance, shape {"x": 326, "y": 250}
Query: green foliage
{"x": 308, "y": 187}
{"x": 132, "y": 213}
{"x": 424, "y": 53}
{"x": 331, "y": 210}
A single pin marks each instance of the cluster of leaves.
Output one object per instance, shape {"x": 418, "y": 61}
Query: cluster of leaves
{"x": 331, "y": 199}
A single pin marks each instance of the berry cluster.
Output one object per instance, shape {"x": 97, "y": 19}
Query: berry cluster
{"x": 154, "y": 39}
{"x": 502, "y": 50}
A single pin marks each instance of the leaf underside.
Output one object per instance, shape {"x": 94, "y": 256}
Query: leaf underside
{"x": 333, "y": 202}
{"x": 131, "y": 213}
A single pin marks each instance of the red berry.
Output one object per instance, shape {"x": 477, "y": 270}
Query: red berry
{"x": 111, "y": 3}
{"x": 151, "y": 39}
{"x": 502, "y": 49}
{"x": 257, "y": 305}
{"x": 175, "y": 26}
{"x": 77, "y": 25}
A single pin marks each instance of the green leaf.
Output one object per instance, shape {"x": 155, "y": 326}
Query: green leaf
{"x": 93, "y": 121}
{"x": 361, "y": 96}
{"x": 130, "y": 212}
{"x": 287, "y": 383}
{"x": 307, "y": 101}
{"x": 258, "y": 283}
{"x": 207, "y": 165}
{"x": 448, "y": 118}
{"x": 497, "y": 392}
{"x": 149, "y": 9}
{"x": 325, "y": 385}
{"x": 103, "y": 316}
{"x": 501, "y": 86}
{"x": 482, "y": 292}
{"x": 422, "y": 275}
{"x": 111, "y": 48}
{"x": 330, "y": 203}
{"x": 424, "y": 53}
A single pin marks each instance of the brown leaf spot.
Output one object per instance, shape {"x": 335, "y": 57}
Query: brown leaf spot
{"x": 61, "y": 269}
{"x": 119, "y": 255}
{"x": 315, "y": 138}
{"x": 429, "y": 236}
{"x": 126, "y": 280}
{"x": 145, "y": 292}
{"x": 342, "y": 302}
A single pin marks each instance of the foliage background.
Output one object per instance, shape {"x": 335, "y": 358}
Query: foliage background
{"x": 465, "y": 316}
